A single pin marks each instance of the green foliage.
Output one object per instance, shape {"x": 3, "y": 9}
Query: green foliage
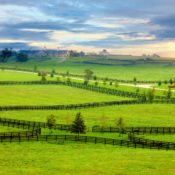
{"x": 95, "y": 77}
{"x": 51, "y": 75}
{"x": 53, "y": 71}
{"x": 74, "y": 54}
{"x": 150, "y": 95}
{"x": 58, "y": 78}
{"x": 50, "y": 121}
{"x": 169, "y": 94}
{"x": 43, "y": 75}
{"x": 159, "y": 83}
{"x": 171, "y": 81}
{"x": 110, "y": 83}
{"x": 67, "y": 73}
{"x": 96, "y": 83}
{"x": 104, "y": 82}
{"x": 88, "y": 74}
{"x": 120, "y": 125}
{"x": 5, "y": 54}
{"x": 116, "y": 84}
{"x": 22, "y": 57}
{"x": 35, "y": 68}
{"x": 78, "y": 125}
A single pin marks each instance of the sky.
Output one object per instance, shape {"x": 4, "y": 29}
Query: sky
{"x": 124, "y": 27}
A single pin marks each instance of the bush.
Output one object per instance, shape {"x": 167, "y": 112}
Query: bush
{"x": 78, "y": 125}
{"x": 51, "y": 75}
{"x": 120, "y": 125}
{"x": 22, "y": 57}
{"x": 96, "y": 83}
{"x": 50, "y": 121}
{"x": 159, "y": 83}
{"x": 110, "y": 83}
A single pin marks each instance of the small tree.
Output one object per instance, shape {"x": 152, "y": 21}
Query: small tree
{"x": 150, "y": 95}
{"x": 78, "y": 125}
{"x": 96, "y": 83}
{"x": 104, "y": 82}
{"x": 22, "y": 57}
{"x": 171, "y": 81}
{"x": 135, "y": 80}
{"x": 116, "y": 84}
{"x": 50, "y": 121}
{"x": 103, "y": 121}
{"x": 43, "y": 74}
{"x": 110, "y": 83}
{"x": 67, "y": 73}
{"x": 95, "y": 77}
{"x": 51, "y": 75}
{"x": 5, "y": 54}
{"x": 159, "y": 83}
{"x": 88, "y": 74}
{"x": 35, "y": 68}
{"x": 120, "y": 125}
{"x": 53, "y": 71}
{"x": 168, "y": 95}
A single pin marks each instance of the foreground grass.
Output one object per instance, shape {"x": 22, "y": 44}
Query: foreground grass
{"x": 133, "y": 115}
{"x": 86, "y": 159}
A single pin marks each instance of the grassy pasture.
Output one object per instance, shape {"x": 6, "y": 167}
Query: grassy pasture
{"x": 80, "y": 158}
{"x": 50, "y": 95}
{"x": 133, "y": 115}
{"x": 146, "y": 71}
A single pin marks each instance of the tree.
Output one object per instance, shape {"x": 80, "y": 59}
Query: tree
{"x": 5, "y": 54}
{"x": 74, "y": 53}
{"x": 135, "y": 80}
{"x": 96, "y": 83}
{"x": 168, "y": 95}
{"x": 43, "y": 75}
{"x": 103, "y": 121}
{"x": 171, "y": 81}
{"x": 22, "y": 57}
{"x": 150, "y": 95}
{"x": 120, "y": 125}
{"x": 78, "y": 125}
{"x": 50, "y": 121}
{"x": 35, "y": 68}
{"x": 116, "y": 84}
{"x": 110, "y": 83}
{"x": 53, "y": 71}
{"x": 88, "y": 74}
{"x": 159, "y": 83}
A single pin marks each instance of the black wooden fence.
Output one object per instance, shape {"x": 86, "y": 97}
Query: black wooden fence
{"x": 137, "y": 130}
{"x": 94, "y": 88}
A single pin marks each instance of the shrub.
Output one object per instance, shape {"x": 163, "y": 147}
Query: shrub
{"x": 43, "y": 74}
{"x": 110, "y": 83}
{"x": 51, "y": 75}
{"x": 120, "y": 125}
{"x": 78, "y": 125}
{"x": 96, "y": 83}
{"x": 159, "y": 83}
{"x": 50, "y": 121}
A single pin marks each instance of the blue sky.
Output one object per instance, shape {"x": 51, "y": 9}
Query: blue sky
{"x": 120, "y": 26}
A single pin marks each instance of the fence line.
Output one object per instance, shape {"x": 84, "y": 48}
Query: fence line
{"x": 94, "y": 88}
{"x": 137, "y": 130}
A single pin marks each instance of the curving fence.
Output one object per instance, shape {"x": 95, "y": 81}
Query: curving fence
{"x": 94, "y": 88}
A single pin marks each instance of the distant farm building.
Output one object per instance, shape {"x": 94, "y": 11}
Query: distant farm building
{"x": 41, "y": 53}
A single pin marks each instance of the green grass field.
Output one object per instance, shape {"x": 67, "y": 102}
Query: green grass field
{"x": 80, "y": 158}
{"x": 50, "y": 95}
{"x": 146, "y": 71}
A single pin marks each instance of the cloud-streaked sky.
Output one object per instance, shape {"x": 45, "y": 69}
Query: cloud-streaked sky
{"x": 120, "y": 26}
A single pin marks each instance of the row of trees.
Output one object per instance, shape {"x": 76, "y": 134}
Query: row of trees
{"x": 78, "y": 125}
{"x": 7, "y": 53}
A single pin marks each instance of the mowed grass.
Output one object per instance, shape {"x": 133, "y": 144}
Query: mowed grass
{"x": 50, "y": 95}
{"x": 9, "y": 129}
{"x": 80, "y": 158}
{"x": 133, "y": 115}
{"x": 146, "y": 71}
